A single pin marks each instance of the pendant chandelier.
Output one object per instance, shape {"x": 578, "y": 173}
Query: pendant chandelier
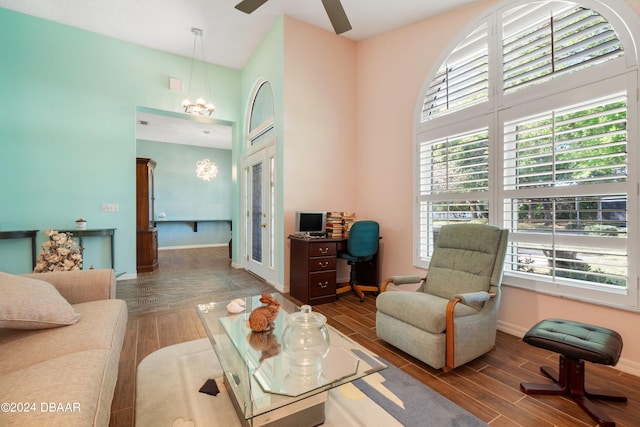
{"x": 206, "y": 170}
{"x": 200, "y": 106}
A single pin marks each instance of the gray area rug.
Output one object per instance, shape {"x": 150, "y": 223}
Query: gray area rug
{"x": 421, "y": 406}
{"x": 169, "y": 379}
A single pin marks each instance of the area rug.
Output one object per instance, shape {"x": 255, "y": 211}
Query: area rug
{"x": 169, "y": 381}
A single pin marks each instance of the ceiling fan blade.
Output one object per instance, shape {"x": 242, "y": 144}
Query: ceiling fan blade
{"x": 248, "y": 6}
{"x": 337, "y": 16}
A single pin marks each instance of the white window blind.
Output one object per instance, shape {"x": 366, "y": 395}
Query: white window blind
{"x": 556, "y": 39}
{"x": 455, "y": 180}
{"x": 549, "y": 158}
{"x": 565, "y": 173}
{"x": 463, "y": 79}
{"x": 576, "y": 145}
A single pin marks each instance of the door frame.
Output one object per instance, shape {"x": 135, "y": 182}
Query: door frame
{"x": 265, "y": 153}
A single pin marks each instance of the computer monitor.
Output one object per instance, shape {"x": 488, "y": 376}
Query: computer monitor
{"x": 311, "y": 223}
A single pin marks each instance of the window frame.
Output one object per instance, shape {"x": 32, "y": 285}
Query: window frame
{"x": 501, "y": 107}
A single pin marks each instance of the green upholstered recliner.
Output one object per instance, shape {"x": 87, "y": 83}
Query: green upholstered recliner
{"x": 452, "y": 317}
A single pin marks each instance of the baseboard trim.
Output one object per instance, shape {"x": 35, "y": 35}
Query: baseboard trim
{"x": 213, "y": 245}
{"x": 511, "y": 329}
{"x": 624, "y": 365}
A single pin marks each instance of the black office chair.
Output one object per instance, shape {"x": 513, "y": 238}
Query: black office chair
{"x": 362, "y": 246}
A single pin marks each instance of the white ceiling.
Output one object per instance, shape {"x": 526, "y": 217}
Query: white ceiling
{"x": 202, "y": 132}
{"x": 229, "y": 36}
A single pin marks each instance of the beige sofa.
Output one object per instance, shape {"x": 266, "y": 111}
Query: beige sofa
{"x": 63, "y": 375}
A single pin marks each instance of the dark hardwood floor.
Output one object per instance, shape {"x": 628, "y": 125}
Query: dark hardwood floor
{"x": 488, "y": 387}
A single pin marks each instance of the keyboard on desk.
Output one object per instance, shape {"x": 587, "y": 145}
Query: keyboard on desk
{"x": 313, "y": 235}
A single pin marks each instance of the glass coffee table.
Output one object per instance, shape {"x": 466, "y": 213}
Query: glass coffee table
{"x": 262, "y": 388}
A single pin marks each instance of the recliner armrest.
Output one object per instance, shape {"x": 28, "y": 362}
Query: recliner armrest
{"x": 474, "y": 297}
{"x": 401, "y": 280}
{"x": 404, "y": 280}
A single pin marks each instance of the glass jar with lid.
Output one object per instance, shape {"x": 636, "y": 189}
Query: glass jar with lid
{"x": 305, "y": 342}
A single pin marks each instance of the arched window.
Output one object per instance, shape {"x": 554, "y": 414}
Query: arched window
{"x": 261, "y": 114}
{"x": 531, "y": 123}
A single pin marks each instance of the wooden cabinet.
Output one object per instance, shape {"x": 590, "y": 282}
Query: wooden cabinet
{"x": 313, "y": 270}
{"x": 146, "y": 233}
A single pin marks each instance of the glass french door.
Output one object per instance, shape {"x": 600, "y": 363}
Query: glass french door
{"x": 259, "y": 207}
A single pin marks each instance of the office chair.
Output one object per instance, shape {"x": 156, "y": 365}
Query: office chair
{"x": 362, "y": 246}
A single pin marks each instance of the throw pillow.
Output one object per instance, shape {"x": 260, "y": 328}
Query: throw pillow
{"x": 27, "y": 303}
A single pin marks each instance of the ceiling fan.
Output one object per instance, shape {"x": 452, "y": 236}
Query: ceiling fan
{"x": 334, "y": 9}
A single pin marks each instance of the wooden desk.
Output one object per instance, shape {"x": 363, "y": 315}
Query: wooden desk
{"x": 23, "y": 234}
{"x": 95, "y": 232}
{"x": 313, "y": 269}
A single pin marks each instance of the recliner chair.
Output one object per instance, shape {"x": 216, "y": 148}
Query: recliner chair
{"x": 452, "y": 317}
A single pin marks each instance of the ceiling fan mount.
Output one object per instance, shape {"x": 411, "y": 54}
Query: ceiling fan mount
{"x": 334, "y": 9}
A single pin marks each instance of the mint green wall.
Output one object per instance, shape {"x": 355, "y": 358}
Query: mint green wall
{"x": 180, "y": 194}
{"x": 67, "y": 128}
{"x": 267, "y": 63}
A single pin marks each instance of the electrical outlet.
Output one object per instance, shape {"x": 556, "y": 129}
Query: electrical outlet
{"x": 109, "y": 207}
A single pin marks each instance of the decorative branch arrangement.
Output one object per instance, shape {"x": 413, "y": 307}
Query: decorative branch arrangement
{"x": 59, "y": 253}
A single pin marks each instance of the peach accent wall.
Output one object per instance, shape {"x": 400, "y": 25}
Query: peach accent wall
{"x": 320, "y": 158}
{"x": 391, "y": 70}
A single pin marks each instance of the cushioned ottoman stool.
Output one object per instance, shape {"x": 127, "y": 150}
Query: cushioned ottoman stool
{"x": 576, "y": 342}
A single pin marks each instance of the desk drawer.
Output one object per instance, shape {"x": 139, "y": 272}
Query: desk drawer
{"x": 322, "y": 264}
{"x": 321, "y": 249}
{"x": 323, "y": 283}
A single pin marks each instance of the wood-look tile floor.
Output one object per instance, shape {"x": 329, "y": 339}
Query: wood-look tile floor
{"x": 488, "y": 387}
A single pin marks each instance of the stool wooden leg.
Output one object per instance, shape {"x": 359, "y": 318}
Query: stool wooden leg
{"x": 569, "y": 380}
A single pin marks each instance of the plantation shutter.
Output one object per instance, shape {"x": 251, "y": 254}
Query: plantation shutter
{"x": 577, "y": 145}
{"x": 463, "y": 79}
{"x": 454, "y": 182}
{"x": 556, "y": 42}
{"x": 565, "y": 200}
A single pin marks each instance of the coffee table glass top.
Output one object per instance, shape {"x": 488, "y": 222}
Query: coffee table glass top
{"x": 256, "y": 368}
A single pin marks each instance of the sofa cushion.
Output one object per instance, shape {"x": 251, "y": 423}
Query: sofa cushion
{"x": 82, "y": 382}
{"x": 101, "y": 326}
{"x": 424, "y": 311}
{"x": 27, "y": 303}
